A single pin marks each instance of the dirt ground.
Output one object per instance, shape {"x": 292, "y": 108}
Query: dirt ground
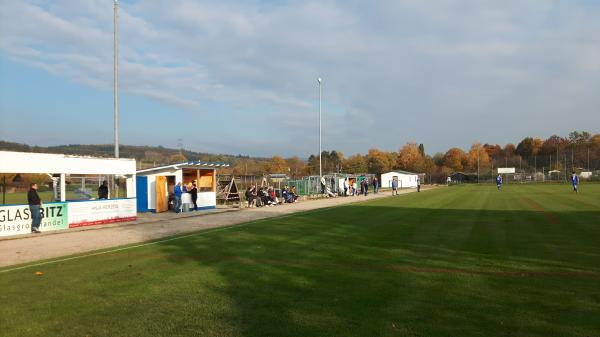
{"x": 149, "y": 226}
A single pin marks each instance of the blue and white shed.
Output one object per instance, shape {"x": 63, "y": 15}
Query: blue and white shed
{"x": 155, "y": 186}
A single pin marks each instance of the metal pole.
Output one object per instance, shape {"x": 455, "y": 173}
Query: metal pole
{"x": 320, "y": 95}
{"x": 116, "y": 77}
{"x": 478, "y": 166}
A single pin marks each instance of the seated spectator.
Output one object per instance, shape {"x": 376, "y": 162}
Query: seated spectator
{"x": 293, "y": 194}
{"x": 285, "y": 194}
{"x": 265, "y": 198}
{"x": 251, "y": 196}
{"x": 273, "y": 196}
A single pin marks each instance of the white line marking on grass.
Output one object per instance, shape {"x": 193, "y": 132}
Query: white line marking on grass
{"x": 117, "y": 249}
{"x": 207, "y": 231}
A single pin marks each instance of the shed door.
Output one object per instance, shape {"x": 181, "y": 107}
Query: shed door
{"x": 141, "y": 187}
{"x": 161, "y": 194}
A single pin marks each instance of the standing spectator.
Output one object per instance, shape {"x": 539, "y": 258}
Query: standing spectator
{"x": 354, "y": 188}
{"x": 418, "y": 184}
{"x": 177, "y": 193}
{"x": 35, "y": 207}
{"x": 394, "y": 187}
{"x": 375, "y": 185}
{"x": 194, "y": 194}
{"x": 366, "y": 186}
{"x": 345, "y": 187}
{"x": 103, "y": 190}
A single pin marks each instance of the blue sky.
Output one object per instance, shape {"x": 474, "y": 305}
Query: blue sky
{"x": 240, "y": 76}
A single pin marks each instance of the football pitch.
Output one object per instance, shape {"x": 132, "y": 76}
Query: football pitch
{"x": 453, "y": 261}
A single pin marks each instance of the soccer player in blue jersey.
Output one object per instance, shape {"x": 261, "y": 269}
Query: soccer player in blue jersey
{"x": 499, "y": 181}
{"x": 575, "y": 182}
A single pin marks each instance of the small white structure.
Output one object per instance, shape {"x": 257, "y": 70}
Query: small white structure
{"x": 63, "y": 212}
{"x": 506, "y": 170}
{"x": 403, "y": 178}
{"x": 155, "y": 185}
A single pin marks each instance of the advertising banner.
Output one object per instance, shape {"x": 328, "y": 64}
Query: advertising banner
{"x": 506, "y": 170}
{"x": 17, "y": 219}
{"x": 97, "y": 212}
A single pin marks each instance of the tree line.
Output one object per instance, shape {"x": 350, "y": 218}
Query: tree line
{"x": 578, "y": 151}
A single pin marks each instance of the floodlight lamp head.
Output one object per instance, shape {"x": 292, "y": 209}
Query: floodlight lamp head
{"x": 319, "y": 80}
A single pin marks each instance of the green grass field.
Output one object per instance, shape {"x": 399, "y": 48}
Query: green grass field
{"x": 457, "y": 261}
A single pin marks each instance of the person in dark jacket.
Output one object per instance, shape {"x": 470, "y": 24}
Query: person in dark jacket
{"x": 194, "y": 193}
{"x": 35, "y": 208}
{"x": 103, "y": 190}
{"x": 251, "y": 196}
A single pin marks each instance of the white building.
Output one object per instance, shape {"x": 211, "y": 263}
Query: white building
{"x": 403, "y": 178}
{"x": 74, "y": 205}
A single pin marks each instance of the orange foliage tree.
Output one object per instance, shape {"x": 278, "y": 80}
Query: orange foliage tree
{"x": 476, "y": 152}
{"x": 410, "y": 158}
{"x": 378, "y": 162}
{"x": 455, "y": 159}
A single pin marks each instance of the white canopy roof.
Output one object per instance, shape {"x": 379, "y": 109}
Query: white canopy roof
{"x": 28, "y": 162}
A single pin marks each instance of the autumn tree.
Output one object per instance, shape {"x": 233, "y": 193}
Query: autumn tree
{"x": 576, "y": 137}
{"x": 455, "y": 159}
{"x": 525, "y": 147}
{"x": 277, "y": 165}
{"x": 177, "y": 158}
{"x": 248, "y": 166}
{"x": 153, "y": 157}
{"x": 493, "y": 151}
{"x": 438, "y": 159}
{"x": 378, "y": 162}
{"x": 356, "y": 164}
{"x": 422, "y": 149}
{"x": 537, "y": 145}
{"x": 297, "y": 166}
{"x": 509, "y": 150}
{"x": 478, "y": 158}
{"x": 313, "y": 164}
{"x": 553, "y": 144}
{"x": 336, "y": 159}
{"x": 410, "y": 158}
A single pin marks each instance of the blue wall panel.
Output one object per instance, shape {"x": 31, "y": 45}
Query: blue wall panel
{"x": 141, "y": 189}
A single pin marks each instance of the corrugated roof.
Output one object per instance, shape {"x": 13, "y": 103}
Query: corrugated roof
{"x": 189, "y": 164}
{"x": 402, "y": 172}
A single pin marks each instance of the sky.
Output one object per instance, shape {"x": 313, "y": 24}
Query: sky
{"x": 239, "y": 77}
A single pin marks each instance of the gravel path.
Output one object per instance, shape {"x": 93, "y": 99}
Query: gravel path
{"x": 28, "y": 248}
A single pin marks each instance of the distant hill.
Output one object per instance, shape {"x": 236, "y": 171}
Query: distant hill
{"x": 146, "y": 154}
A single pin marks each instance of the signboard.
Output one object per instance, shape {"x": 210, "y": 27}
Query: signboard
{"x": 17, "y": 219}
{"x": 97, "y": 212}
{"x": 506, "y": 170}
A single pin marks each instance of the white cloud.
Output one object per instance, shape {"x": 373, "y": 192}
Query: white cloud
{"x": 434, "y": 64}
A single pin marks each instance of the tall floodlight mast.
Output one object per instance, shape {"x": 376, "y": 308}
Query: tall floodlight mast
{"x": 116, "y": 76}
{"x": 320, "y": 82}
